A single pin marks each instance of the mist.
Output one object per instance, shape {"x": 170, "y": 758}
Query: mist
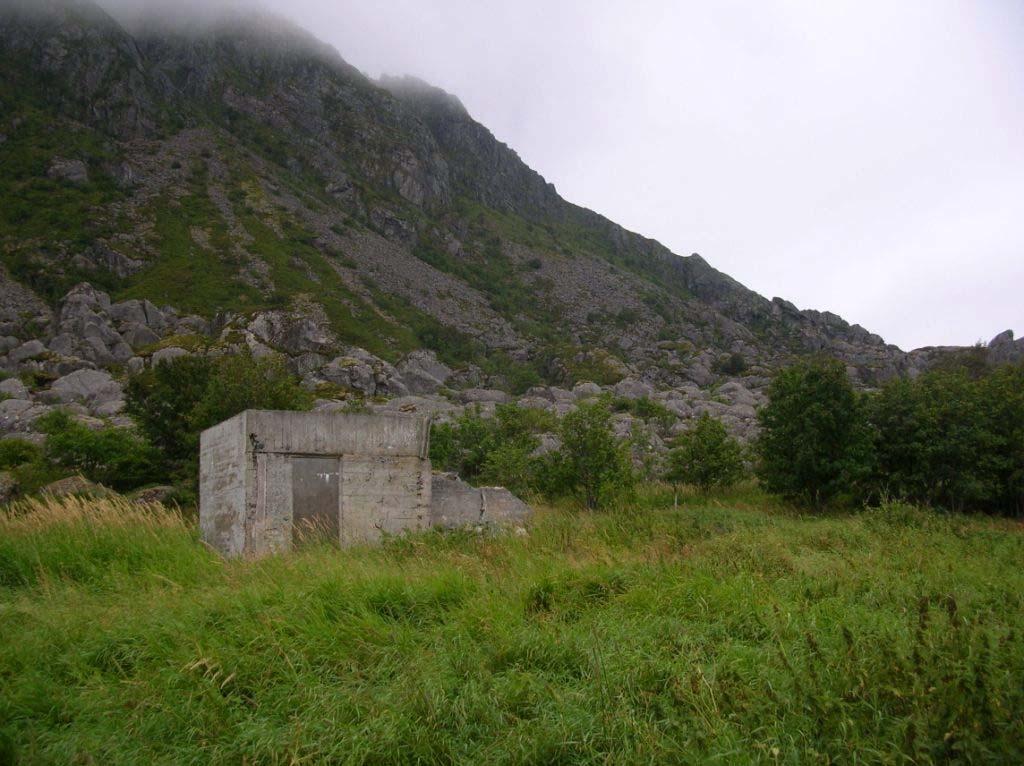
{"x": 865, "y": 158}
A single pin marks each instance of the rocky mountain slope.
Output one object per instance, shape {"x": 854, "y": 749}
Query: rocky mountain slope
{"x": 168, "y": 189}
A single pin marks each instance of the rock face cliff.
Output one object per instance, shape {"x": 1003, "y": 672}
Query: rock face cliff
{"x": 237, "y": 183}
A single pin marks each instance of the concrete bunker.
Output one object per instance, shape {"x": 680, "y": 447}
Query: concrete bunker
{"x": 269, "y": 479}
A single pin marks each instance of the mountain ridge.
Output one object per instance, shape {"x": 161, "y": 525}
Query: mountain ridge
{"x": 240, "y": 171}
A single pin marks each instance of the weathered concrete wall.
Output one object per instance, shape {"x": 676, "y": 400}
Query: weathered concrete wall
{"x": 318, "y": 433}
{"x": 357, "y": 476}
{"x": 456, "y": 504}
{"x": 222, "y": 486}
{"x": 383, "y": 495}
{"x": 268, "y": 527}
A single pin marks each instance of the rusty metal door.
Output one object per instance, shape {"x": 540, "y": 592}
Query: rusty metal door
{"x": 316, "y": 500}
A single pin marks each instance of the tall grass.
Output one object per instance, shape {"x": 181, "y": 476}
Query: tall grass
{"x": 728, "y": 630}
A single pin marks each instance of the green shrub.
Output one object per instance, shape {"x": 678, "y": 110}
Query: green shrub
{"x": 492, "y": 450}
{"x": 733, "y": 364}
{"x": 116, "y": 457}
{"x": 814, "y": 445}
{"x": 953, "y": 438}
{"x": 706, "y": 457}
{"x": 645, "y": 408}
{"x": 174, "y": 401}
{"x": 162, "y": 398}
{"x": 242, "y": 382}
{"x": 15, "y": 452}
{"x": 595, "y": 466}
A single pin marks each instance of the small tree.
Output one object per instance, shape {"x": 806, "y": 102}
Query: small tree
{"x": 161, "y": 400}
{"x": 705, "y": 456}
{"x": 814, "y": 443}
{"x": 595, "y": 463}
{"x": 175, "y": 400}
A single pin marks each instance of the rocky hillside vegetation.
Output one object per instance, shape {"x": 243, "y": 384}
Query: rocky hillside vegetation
{"x": 174, "y": 190}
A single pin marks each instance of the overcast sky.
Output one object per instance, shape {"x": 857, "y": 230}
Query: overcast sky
{"x": 863, "y": 157}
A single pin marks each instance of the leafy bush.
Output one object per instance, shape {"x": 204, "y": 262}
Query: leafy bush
{"x": 953, "y": 438}
{"x": 492, "y": 450}
{"x": 15, "y": 452}
{"x": 646, "y": 408}
{"x": 595, "y": 466}
{"x": 176, "y": 400}
{"x": 162, "y": 398}
{"x": 733, "y": 364}
{"x": 706, "y": 457}
{"x": 242, "y": 382}
{"x": 814, "y": 445}
{"x": 117, "y": 457}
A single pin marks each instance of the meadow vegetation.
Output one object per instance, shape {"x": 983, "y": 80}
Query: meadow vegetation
{"x": 732, "y": 629}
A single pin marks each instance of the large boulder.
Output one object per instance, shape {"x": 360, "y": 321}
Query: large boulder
{"x": 18, "y": 415}
{"x": 1003, "y": 348}
{"x": 139, "y": 335}
{"x": 86, "y": 328}
{"x": 484, "y": 395}
{"x": 737, "y": 393}
{"x": 167, "y": 354}
{"x": 136, "y": 312}
{"x": 75, "y": 485}
{"x": 631, "y": 388}
{"x": 28, "y": 350}
{"x": 12, "y": 388}
{"x": 361, "y": 371}
{"x": 423, "y": 373}
{"x": 90, "y": 387}
{"x": 586, "y": 389}
{"x": 72, "y": 171}
{"x": 291, "y": 333}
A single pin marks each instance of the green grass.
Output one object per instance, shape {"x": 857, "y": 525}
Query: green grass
{"x": 190, "y": 277}
{"x": 730, "y": 630}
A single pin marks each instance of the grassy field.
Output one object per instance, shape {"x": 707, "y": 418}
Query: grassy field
{"x": 730, "y": 630}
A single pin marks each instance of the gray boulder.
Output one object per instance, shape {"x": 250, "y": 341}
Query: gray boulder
{"x": 14, "y": 389}
{"x": 109, "y": 409}
{"x": 64, "y": 344}
{"x": 481, "y": 395}
{"x": 423, "y": 373}
{"x": 90, "y": 387}
{"x": 631, "y": 388}
{"x": 307, "y": 363}
{"x": 73, "y": 171}
{"x": 679, "y": 408}
{"x": 128, "y": 312}
{"x": 737, "y": 393}
{"x": 27, "y": 350}
{"x": 292, "y": 333}
{"x": 361, "y": 371}
{"x": 75, "y": 485}
{"x": 139, "y": 335}
{"x": 167, "y": 354}
{"x": 700, "y": 374}
{"x": 18, "y": 415}
{"x": 585, "y": 389}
